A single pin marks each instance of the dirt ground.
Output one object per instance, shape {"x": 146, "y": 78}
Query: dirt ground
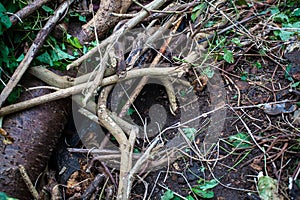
{"x": 240, "y": 123}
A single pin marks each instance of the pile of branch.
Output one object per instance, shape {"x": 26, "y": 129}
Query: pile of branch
{"x": 87, "y": 84}
{"x": 112, "y": 68}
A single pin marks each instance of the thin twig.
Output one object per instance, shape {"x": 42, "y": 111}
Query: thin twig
{"x": 28, "y": 182}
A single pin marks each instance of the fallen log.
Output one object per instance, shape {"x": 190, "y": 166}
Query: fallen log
{"x": 35, "y": 132}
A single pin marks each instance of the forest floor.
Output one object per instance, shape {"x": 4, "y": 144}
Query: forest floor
{"x": 232, "y": 112}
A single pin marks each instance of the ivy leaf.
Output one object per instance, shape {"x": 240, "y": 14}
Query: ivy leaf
{"x": 197, "y": 11}
{"x": 168, "y": 195}
{"x": 267, "y": 187}
{"x": 63, "y": 55}
{"x": 48, "y": 9}
{"x": 228, "y": 56}
{"x": 285, "y": 35}
{"x": 240, "y": 140}
{"x": 74, "y": 41}
{"x": 189, "y": 133}
{"x": 4, "y": 19}
{"x": 3, "y": 196}
{"x": 207, "y": 184}
{"x": 296, "y": 12}
{"x": 206, "y": 194}
{"x": 45, "y": 58}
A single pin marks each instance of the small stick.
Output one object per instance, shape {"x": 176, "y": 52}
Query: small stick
{"x": 28, "y": 182}
{"x": 27, "y": 10}
{"x": 36, "y": 45}
{"x": 92, "y": 187}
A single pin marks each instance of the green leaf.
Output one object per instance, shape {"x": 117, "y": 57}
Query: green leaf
{"x": 63, "y": 55}
{"x": 14, "y": 95}
{"x": 136, "y": 150}
{"x": 190, "y": 133}
{"x": 241, "y": 2}
{"x": 74, "y": 41}
{"x": 267, "y": 187}
{"x": 199, "y": 7}
{"x": 294, "y": 85}
{"x": 48, "y": 9}
{"x": 236, "y": 41}
{"x": 21, "y": 57}
{"x": 281, "y": 17}
{"x": 206, "y": 194}
{"x": 258, "y": 65}
{"x": 197, "y": 11}
{"x": 1, "y": 29}
{"x": 190, "y": 197}
{"x": 285, "y": 35}
{"x": 208, "y": 72}
{"x": 296, "y": 12}
{"x": 45, "y": 58}
{"x": 228, "y": 56}
{"x": 240, "y": 140}
{"x": 244, "y": 76}
{"x": 207, "y": 184}
{"x": 168, "y": 195}
{"x": 274, "y": 10}
{"x": 3, "y": 196}
{"x": 209, "y": 24}
{"x": 287, "y": 72}
{"x": 4, "y": 19}
{"x": 130, "y": 111}
{"x": 82, "y": 18}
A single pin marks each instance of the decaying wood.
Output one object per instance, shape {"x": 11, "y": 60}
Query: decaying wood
{"x": 103, "y": 20}
{"x": 32, "y": 131}
{"x": 26, "y": 11}
{"x": 36, "y": 45}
